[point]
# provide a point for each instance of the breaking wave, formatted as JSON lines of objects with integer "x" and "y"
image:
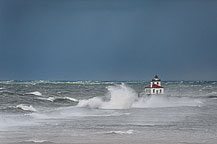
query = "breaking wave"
{"x": 124, "y": 97}
{"x": 212, "y": 95}
{"x": 26, "y": 107}
{"x": 119, "y": 97}
{"x": 37, "y": 93}
{"x": 54, "y": 99}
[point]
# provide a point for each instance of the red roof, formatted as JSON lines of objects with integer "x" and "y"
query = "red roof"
{"x": 155, "y": 76}
{"x": 154, "y": 86}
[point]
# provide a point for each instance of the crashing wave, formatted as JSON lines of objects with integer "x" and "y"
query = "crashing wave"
{"x": 26, "y": 107}
{"x": 124, "y": 97}
{"x": 120, "y": 97}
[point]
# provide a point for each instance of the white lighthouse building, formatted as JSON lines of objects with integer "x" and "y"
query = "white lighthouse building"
{"x": 154, "y": 87}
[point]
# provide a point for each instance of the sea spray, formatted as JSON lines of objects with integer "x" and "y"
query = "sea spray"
{"x": 156, "y": 101}
{"x": 124, "y": 97}
{"x": 119, "y": 97}
{"x": 94, "y": 102}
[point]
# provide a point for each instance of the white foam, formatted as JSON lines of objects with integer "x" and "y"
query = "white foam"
{"x": 47, "y": 99}
{"x": 55, "y": 98}
{"x": 37, "y": 93}
{"x": 69, "y": 98}
{"x": 124, "y": 97}
{"x": 212, "y": 94}
{"x": 50, "y": 99}
{"x": 95, "y": 102}
{"x": 68, "y": 112}
{"x": 36, "y": 141}
{"x": 158, "y": 101}
{"x": 207, "y": 87}
{"x": 120, "y": 97}
{"x": 26, "y": 107}
{"x": 120, "y": 132}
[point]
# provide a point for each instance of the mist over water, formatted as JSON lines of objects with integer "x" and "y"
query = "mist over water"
{"x": 118, "y": 97}
{"x": 107, "y": 112}
{"x": 123, "y": 97}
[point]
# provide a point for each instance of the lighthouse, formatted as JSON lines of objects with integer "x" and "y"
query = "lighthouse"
{"x": 154, "y": 87}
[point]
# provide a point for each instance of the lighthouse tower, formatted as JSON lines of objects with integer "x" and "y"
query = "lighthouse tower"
{"x": 154, "y": 87}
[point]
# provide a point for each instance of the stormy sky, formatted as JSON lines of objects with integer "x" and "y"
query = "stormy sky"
{"x": 108, "y": 39}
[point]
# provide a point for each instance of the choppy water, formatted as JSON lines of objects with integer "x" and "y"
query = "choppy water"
{"x": 108, "y": 113}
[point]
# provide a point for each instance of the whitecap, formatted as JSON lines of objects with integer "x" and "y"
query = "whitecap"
{"x": 69, "y": 98}
{"x": 207, "y": 87}
{"x": 26, "y": 107}
{"x": 212, "y": 94}
{"x": 120, "y": 97}
{"x": 120, "y": 132}
{"x": 124, "y": 97}
{"x": 52, "y": 99}
{"x": 37, "y": 93}
{"x": 36, "y": 141}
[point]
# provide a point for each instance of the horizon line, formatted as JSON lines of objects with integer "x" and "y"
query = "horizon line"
{"x": 104, "y": 80}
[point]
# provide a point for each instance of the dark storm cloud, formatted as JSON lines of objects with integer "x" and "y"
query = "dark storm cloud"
{"x": 108, "y": 39}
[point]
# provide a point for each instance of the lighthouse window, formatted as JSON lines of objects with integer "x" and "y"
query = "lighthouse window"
{"x": 160, "y": 90}
{"x": 157, "y": 83}
{"x": 153, "y": 90}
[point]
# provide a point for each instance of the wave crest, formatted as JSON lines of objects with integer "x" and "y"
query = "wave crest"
{"x": 53, "y": 99}
{"x": 124, "y": 97}
{"x": 120, "y": 97}
{"x": 37, "y": 93}
{"x": 26, "y": 107}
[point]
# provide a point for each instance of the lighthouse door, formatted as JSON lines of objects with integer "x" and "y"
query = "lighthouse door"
{"x": 157, "y": 91}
